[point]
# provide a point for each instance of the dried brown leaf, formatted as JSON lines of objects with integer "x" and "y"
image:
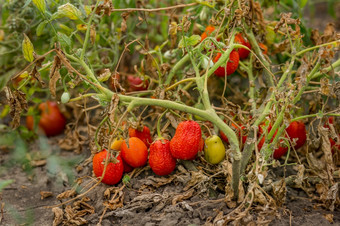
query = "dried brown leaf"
{"x": 54, "y": 75}
{"x": 66, "y": 194}
{"x": 58, "y": 216}
{"x": 45, "y": 194}
{"x": 181, "y": 197}
{"x": 279, "y": 191}
{"x": 18, "y": 103}
{"x": 113, "y": 106}
{"x": 196, "y": 178}
{"x": 329, "y": 217}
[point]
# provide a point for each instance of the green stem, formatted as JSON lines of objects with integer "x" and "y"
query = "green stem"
{"x": 313, "y": 115}
{"x": 315, "y": 47}
{"x": 268, "y": 78}
{"x": 87, "y": 36}
{"x": 336, "y": 64}
{"x": 159, "y": 133}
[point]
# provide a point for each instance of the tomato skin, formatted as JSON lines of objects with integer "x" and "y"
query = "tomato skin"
{"x": 214, "y": 150}
{"x": 264, "y": 48}
{"x": 135, "y": 153}
{"x": 186, "y": 142}
{"x": 136, "y": 83}
{"x": 208, "y": 30}
{"x": 114, "y": 171}
{"x": 279, "y": 152}
{"x": 225, "y": 138}
{"x": 243, "y": 53}
{"x": 231, "y": 65}
{"x": 297, "y": 130}
{"x": 161, "y": 161}
{"x": 144, "y": 135}
{"x": 52, "y": 121}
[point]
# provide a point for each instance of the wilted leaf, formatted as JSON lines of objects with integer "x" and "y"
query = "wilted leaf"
{"x": 93, "y": 34}
{"x": 27, "y": 49}
{"x": 68, "y": 10}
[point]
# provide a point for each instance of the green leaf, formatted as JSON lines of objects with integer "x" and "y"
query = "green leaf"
{"x": 27, "y": 49}
{"x": 64, "y": 39}
{"x": 41, "y": 27}
{"x": 189, "y": 41}
{"x": 41, "y": 5}
{"x": 5, "y": 183}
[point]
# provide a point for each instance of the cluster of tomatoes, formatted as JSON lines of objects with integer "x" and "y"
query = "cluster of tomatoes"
{"x": 235, "y": 55}
{"x": 162, "y": 153}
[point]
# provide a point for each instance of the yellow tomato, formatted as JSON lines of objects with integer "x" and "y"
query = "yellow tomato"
{"x": 214, "y": 150}
{"x": 117, "y": 144}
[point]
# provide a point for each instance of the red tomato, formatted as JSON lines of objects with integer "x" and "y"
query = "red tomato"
{"x": 52, "y": 121}
{"x": 297, "y": 131}
{"x": 136, "y": 83}
{"x": 208, "y": 30}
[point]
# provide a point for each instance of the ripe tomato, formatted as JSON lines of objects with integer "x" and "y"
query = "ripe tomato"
{"x": 160, "y": 160}
{"x": 136, "y": 83}
{"x": 135, "y": 153}
{"x": 230, "y": 66}
{"x": 214, "y": 151}
{"x": 297, "y": 131}
{"x": 144, "y": 135}
{"x": 52, "y": 121}
{"x": 243, "y": 53}
{"x": 264, "y": 48}
{"x": 225, "y": 138}
{"x": 208, "y": 30}
{"x": 117, "y": 144}
{"x": 114, "y": 168}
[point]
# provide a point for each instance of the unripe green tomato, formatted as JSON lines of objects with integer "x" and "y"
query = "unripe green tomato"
{"x": 214, "y": 150}
{"x": 65, "y": 97}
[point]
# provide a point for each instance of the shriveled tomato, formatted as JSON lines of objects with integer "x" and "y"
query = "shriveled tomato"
{"x": 52, "y": 121}
{"x": 214, "y": 150}
{"x": 136, "y": 83}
